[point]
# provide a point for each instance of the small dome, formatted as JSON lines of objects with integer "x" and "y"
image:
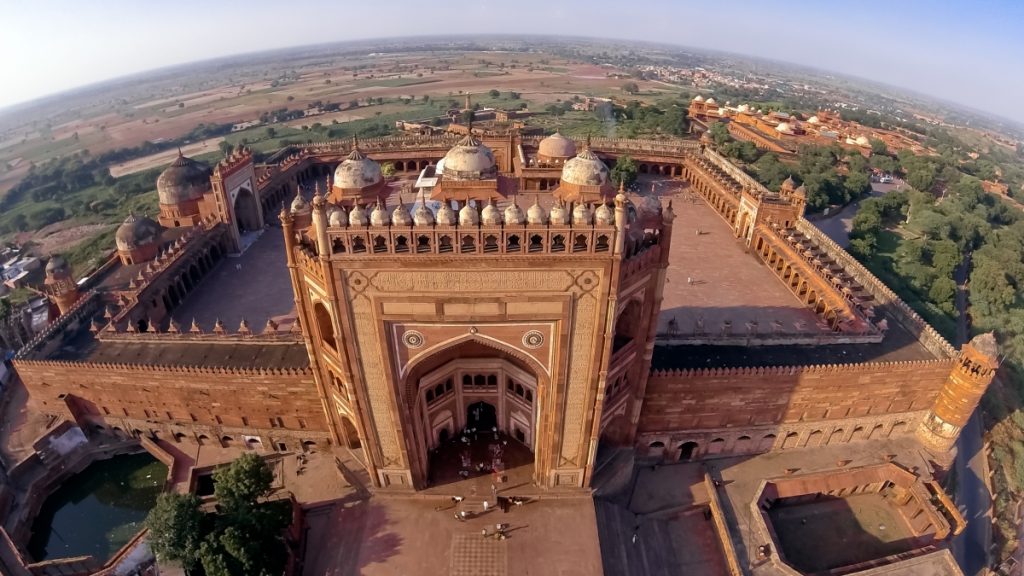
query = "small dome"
{"x": 813, "y": 120}
{"x": 57, "y": 266}
{"x": 379, "y": 215}
{"x": 445, "y": 215}
{"x": 185, "y": 179}
{"x": 744, "y": 108}
{"x": 801, "y": 191}
{"x": 789, "y": 182}
{"x": 469, "y": 160}
{"x": 863, "y": 141}
{"x": 423, "y": 216}
{"x": 604, "y": 215}
{"x": 581, "y": 215}
{"x": 490, "y": 215}
{"x": 586, "y": 169}
{"x": 558, "y": 216}
{"x": 135, "y": 232}
{"x": 400, "y": 216}
{"x": 468, "y": 216}
{"x": 357, "y": 217}
{"x": 783, "y": 127}
{"x": 557, "y": 146}
{"x": 357, "y": 171}
{"x": 709, "y": 101}
{"x": 698, "y": 98}
{"x": 299, "y": 204}
{"x": 535, "y": 214}
{"x": 336, "y": 216}
{"x": 514, "y": 215}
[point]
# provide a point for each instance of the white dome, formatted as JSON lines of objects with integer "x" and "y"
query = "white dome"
{"x": 581, "y": 215}
{"x": 336, "y": 216}
{"x": 299, "y": 204}
{"x": 357, "y": 217}
{"x": 723, "y": 112}
{"x": 559, "y": 216}
{"x": 468, "y": 216}
{"x": 698, "y": 98}
{"x": 586, "y": 169}
{"x": 535, "y": 214}
{"x": 710, "y": 101}
{"x": 400, "y": 216}
{"x": 813, "y": 120}
{"x": 514, "y": 214}
{"x": 357, "y": 171}
{"x": 379, "y": 215}
{"x": 604, "y": 215}
{"x": 423, "y": 216}
{"x": 445, "y": 215}
{"x": 490, "y": 215}
{"x": 744, "y": 108}
{"x": 469, "y": 160}
{"x": 783, "y": 127}
{"x": 863, "y": 141}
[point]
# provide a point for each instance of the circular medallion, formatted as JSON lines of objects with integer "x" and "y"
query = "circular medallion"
{"x": 533, "y": 339}
{"x": 412, "y": 339}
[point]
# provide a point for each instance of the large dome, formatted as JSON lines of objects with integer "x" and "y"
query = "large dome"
{"x": 185, "y": 179}
{"x": 135, "y": 232}
{"x": 557, "y": 146}
{"x": 357, "y": 171}
{"x": 469, "y": 160}
{"x": 586, "y": 169}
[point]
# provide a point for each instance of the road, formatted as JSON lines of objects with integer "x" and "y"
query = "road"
{"x": 971, "y": 547}
{"x": 837, "y": 226}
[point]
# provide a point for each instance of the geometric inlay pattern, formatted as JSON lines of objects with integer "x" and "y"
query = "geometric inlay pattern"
{"x": 474, "y": 555}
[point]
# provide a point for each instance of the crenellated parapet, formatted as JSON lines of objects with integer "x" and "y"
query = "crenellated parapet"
{"x": 164, "y": 368}
{"x": 883, "y": 295}
{"x": 81, "y": 310}
{"x": 236, "y": 160}
{"x": 804, "y": 370}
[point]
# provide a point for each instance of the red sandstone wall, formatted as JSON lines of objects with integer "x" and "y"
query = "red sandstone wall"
{"x": 202, "y": 397}
{"x": 706, "y": 399}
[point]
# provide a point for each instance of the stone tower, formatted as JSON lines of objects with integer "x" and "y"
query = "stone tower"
{"x": 60, "y": 285}
{"x": 969, "y": 379}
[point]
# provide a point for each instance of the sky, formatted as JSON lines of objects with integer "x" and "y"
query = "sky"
{"x": 970, "y": 52}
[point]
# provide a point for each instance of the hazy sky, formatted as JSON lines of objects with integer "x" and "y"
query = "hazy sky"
{"x": 966, "y": 51}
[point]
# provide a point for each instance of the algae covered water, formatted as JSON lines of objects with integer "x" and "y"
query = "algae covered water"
{"x": 98, "y": 510}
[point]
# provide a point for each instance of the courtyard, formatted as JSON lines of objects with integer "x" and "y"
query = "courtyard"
{"x": 834, "y": 532}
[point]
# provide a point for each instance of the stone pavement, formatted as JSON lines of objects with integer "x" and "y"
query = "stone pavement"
{"x": 20, "y": 424}
{"x": 399, "y": 535}
{"x": 727, "y": 283}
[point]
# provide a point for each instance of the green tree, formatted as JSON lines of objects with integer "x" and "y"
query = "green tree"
{"x": 631, "y": 88}
{"x": 387, "y": 169}
{"x": 242, "y": 483}
{"x": 271, "y": 132}
{"x": 719, "y": 133}
{"x": 494, "y": 93}
{"x": 174, "y": 525}
{"x": 878, "y": 147}
{"x": 624, "y": 171}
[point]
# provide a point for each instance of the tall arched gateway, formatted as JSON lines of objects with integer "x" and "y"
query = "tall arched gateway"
{"x": 468, "y": 396}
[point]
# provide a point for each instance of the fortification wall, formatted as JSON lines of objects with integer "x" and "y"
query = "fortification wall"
{"x": 188, "y": 396}
{"x": 762, "y": 398}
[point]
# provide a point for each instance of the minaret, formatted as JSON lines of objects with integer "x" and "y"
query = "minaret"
{"x": 60, "y": 285}
{"x": 974, "y": 370}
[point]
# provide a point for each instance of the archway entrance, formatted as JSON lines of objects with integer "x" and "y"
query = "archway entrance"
{"x": 475, "y": 413}
{"x": 247, "y": 215}
{"x": 686, "y": 451}
{"x": 481, "y": 416}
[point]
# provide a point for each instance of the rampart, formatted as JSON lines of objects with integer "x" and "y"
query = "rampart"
{"x": 767, "y": 397}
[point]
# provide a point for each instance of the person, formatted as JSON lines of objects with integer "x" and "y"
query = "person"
{"x": 486, "y": 505}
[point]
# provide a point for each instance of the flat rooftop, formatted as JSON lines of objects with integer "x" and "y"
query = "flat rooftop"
{"x": 255, "y": 286}
{"x": 231, "y": 354}
{"x": 120, "y": 275}
{"x": 712, "y": 277}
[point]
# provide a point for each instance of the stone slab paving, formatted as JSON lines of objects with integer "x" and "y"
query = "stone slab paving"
{"x": 727, "y": 282}
{"x": 475, "y": 555}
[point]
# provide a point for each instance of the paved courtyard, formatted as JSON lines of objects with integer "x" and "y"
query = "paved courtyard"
{"x": 397, "y": 535}
{"x": 839, "y": 532}
{"x": 254, "y": 286}
{"x": 710, "y": 276}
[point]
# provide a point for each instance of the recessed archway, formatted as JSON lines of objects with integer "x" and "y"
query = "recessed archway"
{"x": 247, "y": 216}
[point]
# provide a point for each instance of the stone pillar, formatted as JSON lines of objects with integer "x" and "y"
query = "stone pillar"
{"x": 972, "y": 373}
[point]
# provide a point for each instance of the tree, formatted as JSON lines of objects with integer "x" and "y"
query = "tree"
{"x": 387, "y": 169}
{"x": 175, "y": 524}
{"x": 630, "y": 88}
{"x": 719, "y": 133}
{"x": 271, "y": 132}
{"x": 624, "y": 171}
{"x": 243, "y": 482}
{"x": 494, "y": 93}
{"x": 878, "y": 147}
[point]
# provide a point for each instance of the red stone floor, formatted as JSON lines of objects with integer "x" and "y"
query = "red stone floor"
{"x": 711, "y": 276}
{"x": 487, "y": 449}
